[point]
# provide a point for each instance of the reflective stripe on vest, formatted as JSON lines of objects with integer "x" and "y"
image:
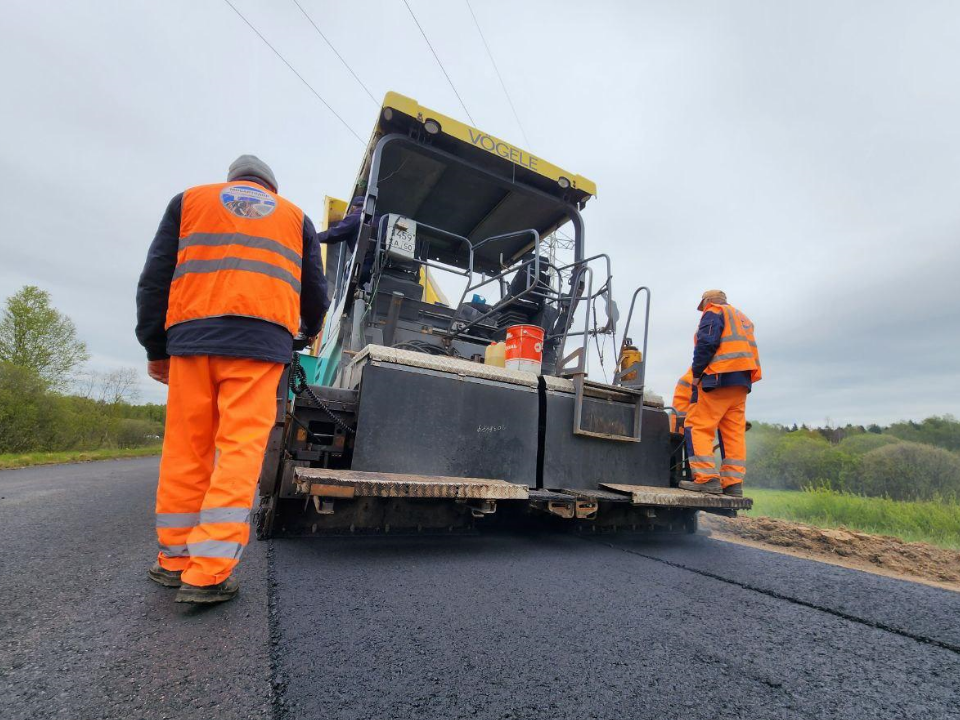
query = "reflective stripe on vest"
{"x": 240, "y": 254}
{"x": 738, "y": 347}
{"x": 233, "y": 263}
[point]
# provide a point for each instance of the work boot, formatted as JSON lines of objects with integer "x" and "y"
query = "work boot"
{"x": 711, "y": 486}
{"x": 208, "y": 594}
{"x": 162, "y": 576}
{"x": 735, "y": 490}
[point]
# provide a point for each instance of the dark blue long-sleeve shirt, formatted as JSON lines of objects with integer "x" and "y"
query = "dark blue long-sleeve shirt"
{"x": 347, "y": 230}
{"x": 229, "y": 336}
{"x": 709, "y": 334}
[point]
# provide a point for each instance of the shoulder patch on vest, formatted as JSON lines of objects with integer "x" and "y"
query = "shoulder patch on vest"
{"x": 247, "y": 202}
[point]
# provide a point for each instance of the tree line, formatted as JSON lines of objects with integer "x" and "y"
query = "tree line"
{"x": 903, "y": 461}
{"x": 50, "y": 400}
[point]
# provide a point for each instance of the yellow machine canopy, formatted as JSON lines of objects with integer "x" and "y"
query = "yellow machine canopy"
{"x": 449, "y": 175}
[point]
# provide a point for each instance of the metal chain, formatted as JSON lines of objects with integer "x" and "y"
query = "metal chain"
{"x": 298, "y": 385}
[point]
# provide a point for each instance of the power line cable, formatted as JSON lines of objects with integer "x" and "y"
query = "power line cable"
{"x": 499, "y": 76}
{"x": 294, "y": 71}
{"x": 437, "y": 57}
{"x": 330, "y": 45}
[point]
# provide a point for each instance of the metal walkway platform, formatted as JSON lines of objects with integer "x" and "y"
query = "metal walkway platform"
{"x": 353, "y": 483}
{"x": 675, "y": 497}
{"x": 328, "y": 483}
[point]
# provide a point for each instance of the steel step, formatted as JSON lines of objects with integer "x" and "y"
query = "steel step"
{"x": 675, "y": 497}
{"x": 598, "y": 495}
{"x": 552, "y": 495}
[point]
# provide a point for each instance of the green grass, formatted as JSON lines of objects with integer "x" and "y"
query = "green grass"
{"x": 937, "y": 523}
{"x": 71, "y": 456}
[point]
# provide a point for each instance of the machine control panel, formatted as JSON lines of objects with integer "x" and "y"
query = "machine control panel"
{"x": 401, "y": 239}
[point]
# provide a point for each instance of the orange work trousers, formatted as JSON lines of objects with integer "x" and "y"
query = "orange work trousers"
{"x": 719, "y": 412}
{"x": 204, "y": 500}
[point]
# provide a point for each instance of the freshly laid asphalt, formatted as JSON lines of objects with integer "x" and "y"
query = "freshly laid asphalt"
{"x": 490, "y": 626}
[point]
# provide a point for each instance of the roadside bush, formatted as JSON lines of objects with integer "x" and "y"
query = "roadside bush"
{"x": 796, "y": 461}
{"x": 82, "y": 424}
{"x": 862, "y": 444}
{"x": 137, "y": 433}
{"x": 908, "y": 471}
{"x": 762, "y": 439}
{"x": 148, "y": 411}
{"x": 34, "y": 419}
{"x": 942, "y": 431}
{"x": 23, "y": 408}
{"x": 881, "y": 462}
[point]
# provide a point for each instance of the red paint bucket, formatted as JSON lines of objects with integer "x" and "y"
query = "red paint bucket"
{"x": 524, "y": 348}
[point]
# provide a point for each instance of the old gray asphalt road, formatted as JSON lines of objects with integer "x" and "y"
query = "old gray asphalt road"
{"x": 469, "y": 627}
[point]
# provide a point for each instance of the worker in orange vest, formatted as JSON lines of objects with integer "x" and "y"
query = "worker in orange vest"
{"x": 232, "y": 270}
{"x": 683, "y": 397}
{"x": 725, "y": 366}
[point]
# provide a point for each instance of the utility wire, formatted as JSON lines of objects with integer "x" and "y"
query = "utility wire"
{"x": 294, "y": 71}
{"x": 439, "y": 63}
{"x": 330, "y": 45}
{"x": 499, "y": 76}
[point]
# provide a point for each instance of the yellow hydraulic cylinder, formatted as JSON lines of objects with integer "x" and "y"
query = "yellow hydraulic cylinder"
{"x": 629, "y": 356}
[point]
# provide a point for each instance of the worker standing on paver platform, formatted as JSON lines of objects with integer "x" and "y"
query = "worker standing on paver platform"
{"x": 231, "y": 272}
{"x": 725, "y": 366}
{"x": 347, "y": 230}
{"x": 683, "y": 397}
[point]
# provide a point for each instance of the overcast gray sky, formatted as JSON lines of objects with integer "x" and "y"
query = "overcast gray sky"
{"x": 803, "y": 156}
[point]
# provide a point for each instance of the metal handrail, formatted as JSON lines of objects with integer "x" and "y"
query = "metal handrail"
{"x": 581, "y": 352}
{"x": 532, "y": 282}
{"x": 380, "y": 251}
{"x": 639, "y": 367}
{"x": 579, "y": 266}
{"x": 579, "y": 373}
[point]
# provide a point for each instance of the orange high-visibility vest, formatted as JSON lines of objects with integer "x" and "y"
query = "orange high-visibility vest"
{"x": 738, "y": 347}
{"x": 682, "y": 395}
{"x": 240, "y": 253}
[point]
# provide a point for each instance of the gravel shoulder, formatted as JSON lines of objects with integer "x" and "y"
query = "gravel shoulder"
{"x": 880, "y": 554}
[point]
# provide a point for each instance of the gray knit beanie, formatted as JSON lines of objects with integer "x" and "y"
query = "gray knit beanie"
{"x": 252, "y": 166}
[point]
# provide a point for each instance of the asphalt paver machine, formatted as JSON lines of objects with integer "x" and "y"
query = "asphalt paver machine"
{"x": 394, "y": 422}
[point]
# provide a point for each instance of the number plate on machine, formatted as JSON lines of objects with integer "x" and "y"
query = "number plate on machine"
{"x": 401, "y": 240}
